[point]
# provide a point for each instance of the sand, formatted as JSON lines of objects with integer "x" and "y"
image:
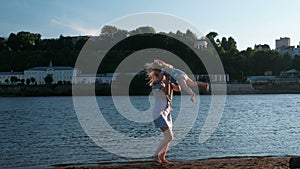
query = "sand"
{"x": 265, "y": 162}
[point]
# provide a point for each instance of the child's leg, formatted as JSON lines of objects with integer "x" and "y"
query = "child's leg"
{"x": 182, "y": 82}
{"x": 190, "y": 82}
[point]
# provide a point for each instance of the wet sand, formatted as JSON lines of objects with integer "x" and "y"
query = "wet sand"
{"x": 265, "y": 162}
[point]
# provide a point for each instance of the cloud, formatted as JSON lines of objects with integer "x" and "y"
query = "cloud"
{"x": 74, "y": 26}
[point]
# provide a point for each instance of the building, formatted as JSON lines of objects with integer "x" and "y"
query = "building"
{"x": 200, "y": 43}
{"x": 282, "y": 42}
{"x": 217, "y": 78}
{"x": 286, "y": 77}
{"x": 58, "y": 73}
{"x": 6, "y": 77}
{"x": 290, "y": 73}
{"x": 284, "y": 47}
{"x": 92, "y": 78}
{"x": 260, "y": 47}
{"x": 291, "y": 50}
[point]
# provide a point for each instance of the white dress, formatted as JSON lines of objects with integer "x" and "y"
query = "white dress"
{"x": 162, "y": 108}
{"x": 175, "y": 73}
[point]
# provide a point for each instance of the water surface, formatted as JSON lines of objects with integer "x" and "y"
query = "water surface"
{"x": 38, "y": 132}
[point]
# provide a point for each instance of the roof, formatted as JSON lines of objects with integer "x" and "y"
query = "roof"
{"x": 44, "y": 68}
{"x": 265, "y": 46}
{"x": 293, "y": 71}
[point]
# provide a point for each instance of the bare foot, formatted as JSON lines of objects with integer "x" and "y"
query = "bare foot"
{"x": 193, "y": 97}
{"x": 157, "y": 159}
{"x": 168, "y": 162}
{"x": 207, "y": 87}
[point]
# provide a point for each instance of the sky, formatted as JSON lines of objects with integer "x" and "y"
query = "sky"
{"x": 248, "y": 22}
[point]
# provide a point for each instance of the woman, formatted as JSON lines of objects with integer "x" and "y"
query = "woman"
{"x": 162, "y": 92}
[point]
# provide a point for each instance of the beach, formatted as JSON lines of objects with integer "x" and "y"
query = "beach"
{"x": 253, "y": 162}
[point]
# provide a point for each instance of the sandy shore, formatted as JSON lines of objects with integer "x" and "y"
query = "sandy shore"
{"x": 266, "y": 162}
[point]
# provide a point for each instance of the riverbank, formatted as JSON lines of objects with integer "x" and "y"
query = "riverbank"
{"x": 261, "y": 162}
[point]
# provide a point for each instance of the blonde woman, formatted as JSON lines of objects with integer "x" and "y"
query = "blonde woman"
{"x": 162, "y": 92}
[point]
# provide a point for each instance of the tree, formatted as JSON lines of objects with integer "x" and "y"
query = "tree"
{"x": 48, "y": 79}
{"x": 32, "y": 79}
{"x": 22, "y": 81}
{"x": 229, "y": 45}
{"x": 67, "y": 83}
{"x": 6, "y": 81}
{"x": 212, "y": 35}
{"x": 143, "y": 29}
{"x": 215, "y": 43}
{"x": 13, "y": 79}
{"x": 112, "y": 33}
{"x": 28, "y": 82}
{"x": 2, "y": 43}
{"x": 190, "y": 37}
{"x": 179, "y": 34}
{"x": 23, "y": 40}
{"x": 296, "y": 63}
{"x": 60, "y": 82}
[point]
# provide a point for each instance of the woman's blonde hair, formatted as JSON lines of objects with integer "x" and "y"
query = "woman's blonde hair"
{"x": 153, "y": 69}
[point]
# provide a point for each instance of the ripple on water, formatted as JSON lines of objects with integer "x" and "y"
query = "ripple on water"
{"x": 38, "y": 132}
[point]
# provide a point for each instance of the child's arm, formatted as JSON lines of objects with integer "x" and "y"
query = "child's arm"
{"x": 174, "y": 85}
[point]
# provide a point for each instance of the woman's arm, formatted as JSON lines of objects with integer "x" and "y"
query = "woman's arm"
{"x": 175, "y": 87}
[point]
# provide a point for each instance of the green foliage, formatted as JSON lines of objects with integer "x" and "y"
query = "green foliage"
{"x": 296, "y": 63}
{"x": 14, "y": 79}
{"x": 27, "y": 82}
{"x": 48, "y": 79}
{"x": 25, "y": 50}
{"x": 249, "y": 62}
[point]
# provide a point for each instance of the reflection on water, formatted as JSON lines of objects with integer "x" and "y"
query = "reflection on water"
{"x": 38, "y": 132}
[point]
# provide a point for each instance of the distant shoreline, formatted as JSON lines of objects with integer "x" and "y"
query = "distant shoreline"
{"x": 105, "y": 90}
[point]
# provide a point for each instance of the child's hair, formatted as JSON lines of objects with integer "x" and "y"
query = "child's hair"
{"x": 153, "y": 69}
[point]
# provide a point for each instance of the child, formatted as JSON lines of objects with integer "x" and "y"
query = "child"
{"x": 182, "y": 78}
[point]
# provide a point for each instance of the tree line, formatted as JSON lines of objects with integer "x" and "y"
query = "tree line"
{"x": 25, "y": 50}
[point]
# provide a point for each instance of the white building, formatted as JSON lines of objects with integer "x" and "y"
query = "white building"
{"x": 282, "y": 42}
{"x": 218, "y": 78}
{"x": 58, "y": 73}
{"x": 92, "y": 78}
{"x": 200, "y": 43}
{"x": 296, "y": 51}
{"x": 5, "y": 77}
{"x": 291, "y": 50}
{"x": 260, "y": 47}
{"x": 290, "y": 76}
{"x": 283, "y": 46}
